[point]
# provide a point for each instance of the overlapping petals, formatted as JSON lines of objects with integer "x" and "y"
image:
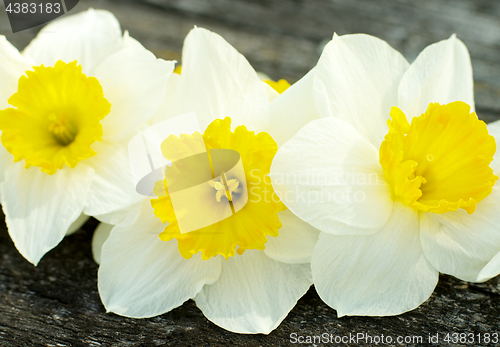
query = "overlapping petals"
{"x": 384, "y": 260}
{"x": 133, "y": 81}
{"x": 329, "y": 175}
{"x": 380, "y": 274}
{"x": 343, "y": 142}
{"x": 250, "y": 292}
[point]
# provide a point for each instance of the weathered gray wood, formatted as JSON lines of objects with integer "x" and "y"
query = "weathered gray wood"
{"x": 57, "y": 303}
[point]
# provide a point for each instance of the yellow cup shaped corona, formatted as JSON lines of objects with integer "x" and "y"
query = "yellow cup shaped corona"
{"x": 68, "y": 105}
{"x": 214, "y": 231}
{"x": 399, "y": 175}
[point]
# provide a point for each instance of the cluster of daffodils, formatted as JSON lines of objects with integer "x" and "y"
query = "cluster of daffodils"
{"x": 368, "y": 177}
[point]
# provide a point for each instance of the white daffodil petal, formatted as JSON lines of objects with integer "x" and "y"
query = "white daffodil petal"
{"x": 6, "y": 159}
{"x": 441, "y": 73}
{"x": 134, "y": 82}
{"x": 141, "y": 276}
{"x": 87, "y": 37}
{"x": 126, "y": 216}
{"x": 460, "y": 244}
{"x": 494, "y": 130}
{"x": 77, "y": 224}
{"x": 374, "y": 275}
{"x": 119, "y": 216}
{"x": 217, "y": 81}
{"x": 112, "y": 188}
{"x": 356, "y": 80}
{"x": 100, "y": 236}
{"x": 166, "y": 110}
{"x": 491, "y": 269}
{"x": 329, "y": 173}
{"x": 40, "y": 208}
{"x": 254, "y": 293}
{"x": 295, "y": 242}
{"x": 292, "y": 110}
{"x": 12, "y": 68}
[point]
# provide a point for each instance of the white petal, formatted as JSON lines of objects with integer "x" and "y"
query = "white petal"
{"x": 12, "y": 68}
{"x": 112, "y": 188}
{"x": 134, "y": 82}
{"x": 142, "y": 276}
{"x": 39, "y": 208}
{"x": 87, "y": 37}
{"x": 296, "y": 240}
{"x": 374, "y": 275}
{"x": 491, "y": 269}
{"x": 460, "y": 244}
{"x": 494, "y": 130}
{"x": 254, "y": 293}
{"x": 328, "y": 173}
{"x": 292, "y": 110}
{"x": 356, "y": 80}
{"x": 100, "y": 236}
{"x": 120, "y": 216}
{"x": 77, "y": 224}
{"x": 217, "y": 81}
{"x": 441, "y": 73}
{"x": 6, "y": 159}
{"x": 125, "y": 216}
{"x": 166, "y": 109}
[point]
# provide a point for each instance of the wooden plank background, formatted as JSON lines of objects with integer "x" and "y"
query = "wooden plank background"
{"x": 57, "y": 303}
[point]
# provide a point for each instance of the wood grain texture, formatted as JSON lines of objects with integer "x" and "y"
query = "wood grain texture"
{"x": 57, "y": 303}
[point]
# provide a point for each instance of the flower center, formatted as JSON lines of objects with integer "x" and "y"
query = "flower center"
{"x": 56, "y": 117}
{"x": 216, "y": 196}
{"x": 225, "y": 188}
{"x": 63, "y": 132}
{"x": 441, "y": 162}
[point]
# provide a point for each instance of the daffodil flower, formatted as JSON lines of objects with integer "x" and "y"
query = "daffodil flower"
{"x": 245, "y": 272}
{"x": 397, "y": 174}
{"x": 69, "y": 104}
